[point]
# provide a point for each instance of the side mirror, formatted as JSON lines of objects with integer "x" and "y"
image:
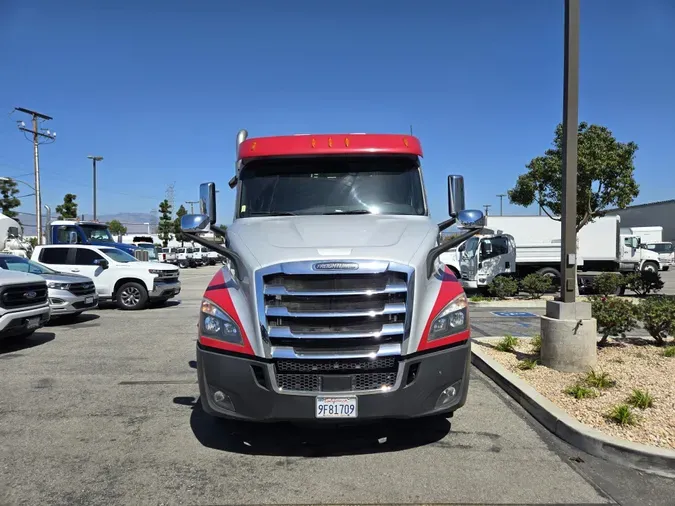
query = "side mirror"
{"x": 455, "y": 195}
{"x": 471, "y": 218}
{"x": 195, "y": 223}
{"x": 207, "y": 201}
{"x": 72, "y": 237}
{"x": 102, "y": 263}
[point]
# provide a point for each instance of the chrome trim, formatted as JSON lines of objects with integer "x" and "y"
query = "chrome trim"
{"x": 282, "y": 311}
{"x": 281, "y": 290}
{"x": 305, "y": 267}
{"x": 388, "y": 329}
{"x": 384, "y": 350}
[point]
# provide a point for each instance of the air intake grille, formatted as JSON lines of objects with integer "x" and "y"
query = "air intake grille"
{"x": 18, "y": 296}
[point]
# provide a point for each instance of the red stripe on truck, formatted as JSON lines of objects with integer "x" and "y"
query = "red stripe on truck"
{"x": 450, "y": 288}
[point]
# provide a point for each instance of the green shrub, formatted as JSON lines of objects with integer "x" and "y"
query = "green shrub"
{"x": 579, "y": 391}
{"x": 615, "y": 316}
{"x": 527, "y": 364}
{"x": 640, "y": 399}
{"x": 599, "y": 380}
{"x": 608, "y": 283}
{"x": 622, "y": 414}
{"x": 536, "y": 343}
{"x": 658, "y": 317}
{"x": 669, "y": 352}
{"x": 644, "y": 282}
{"x": 507, "y": 344}
{"x": 503, "y": 287}
{"x": 536, "y": 285}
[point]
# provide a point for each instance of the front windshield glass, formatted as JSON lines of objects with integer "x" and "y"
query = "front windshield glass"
{"x": 661, "y": 248}
{"x": 331, "y": 185}
{"x": 471, "y": 247}
{"x": 21, "y": 264}
{"x": 97, "y": 233}
{"x": 118, "y": 255}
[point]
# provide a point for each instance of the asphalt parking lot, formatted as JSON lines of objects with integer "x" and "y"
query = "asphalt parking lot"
{"x": 105, "y": 411}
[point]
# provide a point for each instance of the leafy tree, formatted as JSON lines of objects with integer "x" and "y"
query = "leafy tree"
{"x": 165, "y": 226}
{"x": 69, "y": 207}
{"x": 116, "y": 227}
{"x": 8, "y": 199}
{"x": 604, "y": 176}
{"x": 176, "y": 224}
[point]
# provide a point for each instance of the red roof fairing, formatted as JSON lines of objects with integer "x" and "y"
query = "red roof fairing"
{"x": 330, "y": 144}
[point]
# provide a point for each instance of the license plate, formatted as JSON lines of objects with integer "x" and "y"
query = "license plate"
{"x": 33, "y": 323}
{"x": 89, "y": 300}
{"x": 336, "y": 407}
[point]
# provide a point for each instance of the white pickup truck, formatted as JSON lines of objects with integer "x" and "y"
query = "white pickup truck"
{"x": 117, "y": 275}
{"x": 24, "y": 304}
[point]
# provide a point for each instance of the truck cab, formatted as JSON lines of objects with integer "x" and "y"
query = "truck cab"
{"x": 333, "y": 304}
{"x": 85, "y": 232}
{"x": 484, "y": 257}
{"x": 665, "y": 251}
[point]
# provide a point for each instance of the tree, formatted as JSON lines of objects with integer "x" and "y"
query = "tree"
{"x": 604, "y": 178}
{"x": 165, "y": 226}
{"x": 116, "y": 227}
{"x": 9, "y": 200}
{"x": 69, "y": 207}
{"x": 176, "y": 224}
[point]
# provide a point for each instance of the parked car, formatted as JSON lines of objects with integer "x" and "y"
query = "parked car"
{"x": 118, "y": 276}
{"x": 24, "y": 304}
{"x": 69, "y": 294}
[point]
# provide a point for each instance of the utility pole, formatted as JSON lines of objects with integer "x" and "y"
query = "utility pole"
{"x": 95, "y": 159}
{"x": 487, "y": 206}
{"x": 192, "y": 203}
{"x": 569, "y": 152}
{"x": 37, "y": 135}
{"x": 501, "y": 203}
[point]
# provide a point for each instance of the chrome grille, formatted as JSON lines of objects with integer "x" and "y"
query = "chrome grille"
{"x": 84, "y": 288}
{"x": 335, "y": 310}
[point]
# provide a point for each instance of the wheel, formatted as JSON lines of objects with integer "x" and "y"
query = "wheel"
{"x": 650, "y": 267}
{"x": 132, "y": 296}
{"x": 183, "y": 264}
{"x": 552, "y": 273}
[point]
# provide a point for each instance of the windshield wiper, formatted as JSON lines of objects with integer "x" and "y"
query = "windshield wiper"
{"x": 355, "y": 211}
{"x": 277, "y": 213}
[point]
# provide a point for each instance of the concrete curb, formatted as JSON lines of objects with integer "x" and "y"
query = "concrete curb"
{"x": 659, "y": 461}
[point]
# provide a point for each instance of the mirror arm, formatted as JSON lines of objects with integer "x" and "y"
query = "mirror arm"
{"x": 447, "y": 223}
{"x": 227, "y": 253}
{"x": 451, "y": 243}
{"x": 219, "y": 231}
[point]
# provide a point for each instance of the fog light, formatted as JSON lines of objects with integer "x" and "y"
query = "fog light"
{"x": 448, "y": 396}
{"x": 223, "y": 400}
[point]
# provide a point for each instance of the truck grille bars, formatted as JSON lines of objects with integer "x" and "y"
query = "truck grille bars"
{"x": 333, "y": 315}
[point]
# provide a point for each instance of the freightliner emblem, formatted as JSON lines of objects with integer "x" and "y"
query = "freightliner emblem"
{"x": 336, "y": 266}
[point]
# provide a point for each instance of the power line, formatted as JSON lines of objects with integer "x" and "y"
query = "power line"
{"x": 169, "y": 194}
{"x": 487, "y": 206}
{"x": 192, "y": 203}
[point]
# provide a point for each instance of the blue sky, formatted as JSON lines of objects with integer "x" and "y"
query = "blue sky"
{"x": 160, "y": 88}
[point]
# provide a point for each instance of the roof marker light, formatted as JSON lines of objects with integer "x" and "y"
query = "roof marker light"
{"x": 253, "y": 146}
{"x": 313, "y": 143}
{"x": 347, "y": 141}
{"x": 330, "y": 142}
{"x": 405, "y": 141}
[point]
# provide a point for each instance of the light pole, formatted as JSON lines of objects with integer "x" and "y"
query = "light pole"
{"x": 94, "y": 159}
{"x": 501, "y": 203}
{"x": 148, "y": 224}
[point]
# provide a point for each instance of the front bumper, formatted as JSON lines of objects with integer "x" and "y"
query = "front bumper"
{"x": 21, "y": 321}
{"x": 469, "y": 284}
{"x": 249, "y": 383}
{"x": 63, "y": 302}
{"x": 164, "y": 289}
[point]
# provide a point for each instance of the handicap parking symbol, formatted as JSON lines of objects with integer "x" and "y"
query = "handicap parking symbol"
{"x": 514, "y": 314}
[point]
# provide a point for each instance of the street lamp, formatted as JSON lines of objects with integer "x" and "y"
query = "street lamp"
{"x": 95, "y": 159}
{"x": 148, "y": 224}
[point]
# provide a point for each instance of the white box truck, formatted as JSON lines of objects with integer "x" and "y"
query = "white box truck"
{"x": 519, "y": 245}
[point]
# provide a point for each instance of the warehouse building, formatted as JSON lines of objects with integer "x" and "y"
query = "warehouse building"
{"x": 654, "y": 214}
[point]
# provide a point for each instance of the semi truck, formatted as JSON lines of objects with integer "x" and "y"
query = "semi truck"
{"x": 519, "y": 245}
{"x": 333, "y": 304}
{"x": 74, "y": 231}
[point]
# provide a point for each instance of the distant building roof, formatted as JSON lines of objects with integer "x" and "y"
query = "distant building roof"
{"x": 671, "y": 201}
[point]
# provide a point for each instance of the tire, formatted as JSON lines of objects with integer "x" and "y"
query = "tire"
{"x": 131, "y": 296}
{"x": 183, "y": 264}
{"x": 552, "y": 273}
{"x": 650, "y": 267}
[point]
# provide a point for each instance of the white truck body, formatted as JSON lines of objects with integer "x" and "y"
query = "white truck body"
{"x": 647, "y": 235}
{"x": 537, "y": 248}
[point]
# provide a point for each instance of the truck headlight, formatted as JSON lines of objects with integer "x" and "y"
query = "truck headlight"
{"x": 216, "y": 324}
{"x": 453, "y": 318}
{"x": 58, "y": 286}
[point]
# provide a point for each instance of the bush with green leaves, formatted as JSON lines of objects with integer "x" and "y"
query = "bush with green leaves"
{"x": 503, "y": 287}
{"x": 615, "y": 316}
{"x": 658, "y": 317}
{"x": 536, "y": 284}
{"x": 644, "y": 282}
{"x": 608, "y": 283}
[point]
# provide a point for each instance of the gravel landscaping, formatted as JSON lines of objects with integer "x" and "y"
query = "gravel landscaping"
{"x": 624, "y": 366}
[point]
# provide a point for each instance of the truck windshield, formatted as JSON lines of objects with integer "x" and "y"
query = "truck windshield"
{"x": 471, "y": 246}
{"x": 118, "y": 255}
{"x": 663, "y": 247}
{"x": 97, "y": 233}
{"x": 331, "y": 185}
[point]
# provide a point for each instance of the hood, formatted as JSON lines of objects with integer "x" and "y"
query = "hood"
{"x": 16, "y": 277}
{"x": 147, "y": 265}
{"x": 276, "y": 239}
{"x": 66, "y": 278}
